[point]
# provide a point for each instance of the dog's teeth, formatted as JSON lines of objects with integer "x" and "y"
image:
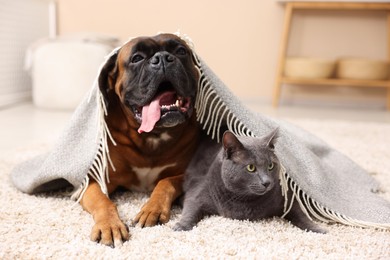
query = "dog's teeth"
{"x": 177, "y": 103}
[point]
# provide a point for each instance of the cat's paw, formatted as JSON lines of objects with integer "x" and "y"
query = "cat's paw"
{"x": 181, "y": 227}
{"x": 318, "y": 230}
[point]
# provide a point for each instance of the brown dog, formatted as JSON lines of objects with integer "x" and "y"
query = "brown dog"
{"x": 150, "y": 88}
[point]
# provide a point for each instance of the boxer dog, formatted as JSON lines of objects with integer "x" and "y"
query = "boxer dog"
{"x": 150, "y": 87}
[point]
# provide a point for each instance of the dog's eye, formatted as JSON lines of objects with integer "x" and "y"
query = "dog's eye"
{"x": 136, "y": 58}
{"x": 181, "y": 51}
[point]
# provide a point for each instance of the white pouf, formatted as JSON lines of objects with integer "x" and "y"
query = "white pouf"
{"x": 64, "y": 71}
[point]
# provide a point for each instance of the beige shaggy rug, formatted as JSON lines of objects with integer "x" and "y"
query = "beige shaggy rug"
{"x": 51, "y": 226}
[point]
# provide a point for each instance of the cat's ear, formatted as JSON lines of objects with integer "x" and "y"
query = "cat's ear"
{"x": 271, "y": 138}
{"x": 231, "y": 144}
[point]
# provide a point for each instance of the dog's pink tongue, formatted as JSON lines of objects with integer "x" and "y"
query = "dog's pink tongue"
{"x": 150, "y": 115}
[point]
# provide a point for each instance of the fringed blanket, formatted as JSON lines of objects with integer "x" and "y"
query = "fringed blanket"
{"x": 327, "y": 185}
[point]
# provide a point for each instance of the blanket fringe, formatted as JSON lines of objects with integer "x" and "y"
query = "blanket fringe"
{"x": 315, "y": 210}
{"x": 212, "y": 110}
{"x": 99, "y": 171}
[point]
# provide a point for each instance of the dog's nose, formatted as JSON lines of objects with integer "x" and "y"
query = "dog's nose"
{"x": 162, "y": 58}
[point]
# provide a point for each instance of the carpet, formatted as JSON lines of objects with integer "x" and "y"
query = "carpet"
{"x": 50, "y": 225}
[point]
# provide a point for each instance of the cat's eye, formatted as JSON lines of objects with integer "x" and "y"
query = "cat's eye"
{"x": 250, "y": 168}
{"x": 271, "y": 166}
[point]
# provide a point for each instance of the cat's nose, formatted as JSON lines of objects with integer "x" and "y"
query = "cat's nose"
{"x": 266, "y": 183}
{"x": 265, "y": 180}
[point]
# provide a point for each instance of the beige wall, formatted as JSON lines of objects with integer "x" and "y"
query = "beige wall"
{"x": 240, "y": 39}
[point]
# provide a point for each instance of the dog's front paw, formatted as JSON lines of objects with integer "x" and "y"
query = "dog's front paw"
{"x": 152, "y": 213}
{"x": 110, "y": 232}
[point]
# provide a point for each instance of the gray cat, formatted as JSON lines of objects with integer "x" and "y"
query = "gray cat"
{"x": 238, "y": 180}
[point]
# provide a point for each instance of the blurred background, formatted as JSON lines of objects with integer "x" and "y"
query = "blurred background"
{"x": 239, "y": 40}
{"x": 51, "y": 51}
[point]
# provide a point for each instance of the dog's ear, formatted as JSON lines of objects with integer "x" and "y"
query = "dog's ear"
{"x": 107, "y": 76}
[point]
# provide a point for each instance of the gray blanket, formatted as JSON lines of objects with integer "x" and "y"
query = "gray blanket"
{"x": 328, "y": 186}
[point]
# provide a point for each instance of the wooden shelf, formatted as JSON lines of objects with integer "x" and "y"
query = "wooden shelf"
{"x": 337, "y": 82}
{"x": 290, "y": 8}
{"x": 341, "y": 6}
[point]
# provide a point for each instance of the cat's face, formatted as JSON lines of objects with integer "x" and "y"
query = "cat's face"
{"x": 250, "y": 166}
